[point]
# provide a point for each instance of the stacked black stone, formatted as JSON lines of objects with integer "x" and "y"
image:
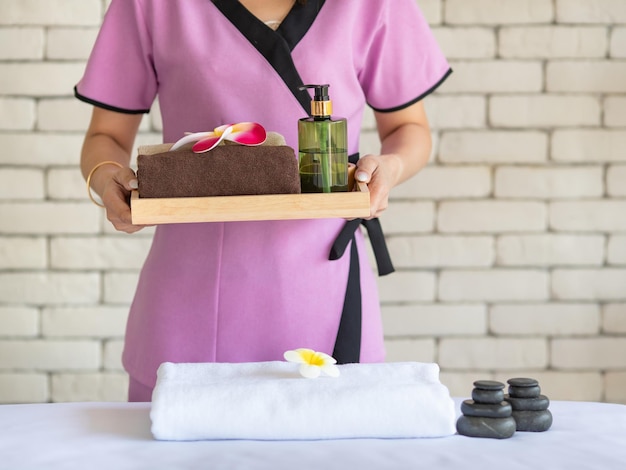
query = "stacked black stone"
{"x": 486, "y": 414}
{"x": 530, "y": 408}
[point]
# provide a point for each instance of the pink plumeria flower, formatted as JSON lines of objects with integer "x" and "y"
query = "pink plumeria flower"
{"x": 313, "y": 363}
{"x": 246, "y": 133}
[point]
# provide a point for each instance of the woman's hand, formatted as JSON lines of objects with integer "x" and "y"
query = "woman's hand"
{"x": 116, "y": 199}
{"x": 405, "y": 149}
{"x": 379, "y": 172}
{"x": 110, "y": 138}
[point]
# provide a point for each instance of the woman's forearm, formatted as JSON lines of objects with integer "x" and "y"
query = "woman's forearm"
{"x": 409, "y": 146}
{"x": 110, "y": 137}
{"x": 100, "y": 148}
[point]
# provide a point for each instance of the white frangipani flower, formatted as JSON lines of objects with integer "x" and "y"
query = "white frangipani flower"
{"x": 313, "y": 363}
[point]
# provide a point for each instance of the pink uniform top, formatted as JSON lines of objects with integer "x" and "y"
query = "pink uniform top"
{"x": 248, "y": 291}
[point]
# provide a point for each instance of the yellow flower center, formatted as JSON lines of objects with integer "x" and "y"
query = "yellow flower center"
{"x": 312, "y": 358}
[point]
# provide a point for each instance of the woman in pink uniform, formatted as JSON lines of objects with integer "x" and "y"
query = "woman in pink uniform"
{"x": 248, "y": 291}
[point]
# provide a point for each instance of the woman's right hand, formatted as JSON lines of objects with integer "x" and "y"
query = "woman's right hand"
{"x": 110, "y": 138}
{"x": 116, "y": 199}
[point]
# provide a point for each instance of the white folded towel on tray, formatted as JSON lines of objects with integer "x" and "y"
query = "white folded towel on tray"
{"x": 272, "y": 401}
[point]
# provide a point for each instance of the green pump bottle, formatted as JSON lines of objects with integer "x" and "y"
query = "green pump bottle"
{"x": 322, "y": 146}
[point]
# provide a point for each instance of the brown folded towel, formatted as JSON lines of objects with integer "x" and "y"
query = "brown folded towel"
{"x": 226, "y": 170}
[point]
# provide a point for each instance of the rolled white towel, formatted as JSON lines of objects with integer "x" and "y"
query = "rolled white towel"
{"x": 271, "y": 400}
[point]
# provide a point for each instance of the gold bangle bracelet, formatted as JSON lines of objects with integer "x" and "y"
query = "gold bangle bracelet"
{"x": 93, "y": 170}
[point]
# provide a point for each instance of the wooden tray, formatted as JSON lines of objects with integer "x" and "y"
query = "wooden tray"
{"x": 150, "y": 211}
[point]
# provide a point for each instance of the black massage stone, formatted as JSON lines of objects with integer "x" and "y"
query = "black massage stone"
{"x": 488, "y": 391}
{"x": 486, "y": 415}
{"x": 494, "y": 428}
{"x": 486, "y": 410}
{"x": 530, "y": 408}
{"x": 532, "y": 421}
{"x": 539, "y": 403}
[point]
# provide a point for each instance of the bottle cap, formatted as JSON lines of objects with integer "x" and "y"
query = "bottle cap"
{"x": 321, "y": 106}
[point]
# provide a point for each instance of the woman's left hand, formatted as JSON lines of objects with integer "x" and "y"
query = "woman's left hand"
{"x": 405, "y": 148}
{"x": 379, "y": 173}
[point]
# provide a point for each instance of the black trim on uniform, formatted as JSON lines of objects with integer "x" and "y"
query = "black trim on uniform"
{"x": 299, "y": 21}
{"x": 107, "y": 106}
{"x": 419, "y": 98}
{"x": 276, "y": 46}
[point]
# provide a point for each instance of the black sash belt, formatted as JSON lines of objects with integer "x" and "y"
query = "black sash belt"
{"x": 377, "y": 238}
{"x": 348, "y": 343}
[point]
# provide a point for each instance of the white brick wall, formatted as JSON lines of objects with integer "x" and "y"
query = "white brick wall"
{"x": 447, "y": 182}
{"x": 584, "y": 11}
{"x": 497, "y": 12}
{"x": 493, "y": 285}
{"x": 493, "y": 353}
{"x": 613, "y": 318}
{"x": 51, "y": 12}
{"x": 440, "y": 251}
{"x": 550, "y": 250}
{"x": 550, "y": 182}
{"x": 510, "y": 247}
{"x": 553, "y": 319}
{"x": 494, "y": 76}
{"x": 552, "y": 42}
{"x": 586, "y": 76}
{"x": 534, "y": 111}
{"x": 589, "y": 145}
{"x": 618, "y": 42}
{"x": 494, "y": 146}
{"x": 615, "y": 180}
{"x": 616, "y": 251}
